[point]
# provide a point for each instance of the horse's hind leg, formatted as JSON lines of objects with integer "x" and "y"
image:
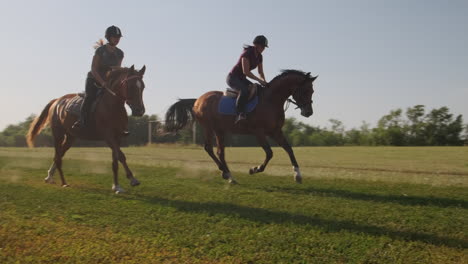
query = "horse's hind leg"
{"x": 66, "y": 144}
{"x": 269, "y": 154}
{"x": 208, "y": 135}
{"x": 50, "y": 173}
{"x": 209, "y": 147}
{"x": 220, "y": 142}
{"x": 62, "y": 144}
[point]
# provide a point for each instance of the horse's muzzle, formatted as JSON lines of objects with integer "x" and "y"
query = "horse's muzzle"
{"x": 307, "y": 111}
{"x": 138, "y": 111}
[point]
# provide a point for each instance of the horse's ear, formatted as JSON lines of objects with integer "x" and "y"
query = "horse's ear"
{"x": 313, "y": 78}
{"x": 142, "y": 71}
{"x": 132, "y": 69}
{"x": 308, "y": 74}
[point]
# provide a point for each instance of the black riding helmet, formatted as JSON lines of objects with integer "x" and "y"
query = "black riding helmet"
{"x": 261, "y": 40}
{"x": 113, "y": 31}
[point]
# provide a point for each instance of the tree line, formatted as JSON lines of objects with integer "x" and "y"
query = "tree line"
{"x": 413, "y": 127}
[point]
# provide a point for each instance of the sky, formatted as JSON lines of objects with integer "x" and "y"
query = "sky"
{"x": 372, "y": 56}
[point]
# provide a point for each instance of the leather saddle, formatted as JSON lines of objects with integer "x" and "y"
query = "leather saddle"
{"x": 74, "y": 105}
{"x": 233, "y": 93}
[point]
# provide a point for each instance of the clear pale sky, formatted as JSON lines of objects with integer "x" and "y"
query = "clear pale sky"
{"x": 371, "y": 56}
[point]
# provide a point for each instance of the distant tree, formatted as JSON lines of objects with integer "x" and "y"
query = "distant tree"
{"x": 442, "y": 129}
{"x": 138, "y": 128}
{"x": 437, "y": 128}
{"x": 316, "y": 139}
{"x": 337, "y": 126}
{"x": 15, "y": 135}
{"x": 416, "y": 126}
{"x": 353, "y": 137}
{"x": 390, "y": 129}
{"x": 331, "y": 138}
{"x": 289, "y": 127}
{"x": 465, "y": 137}
{"x": 5, "y": 141}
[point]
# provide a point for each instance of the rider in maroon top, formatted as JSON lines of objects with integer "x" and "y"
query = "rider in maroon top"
{"x": 250, "y": 59}
{"x": 254, "y": 59}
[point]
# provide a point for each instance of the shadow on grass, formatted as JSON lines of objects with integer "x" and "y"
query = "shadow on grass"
{"x": 265, "y": 216}
{"x": 398, "y": 199}
{"x": 260, "y": 215}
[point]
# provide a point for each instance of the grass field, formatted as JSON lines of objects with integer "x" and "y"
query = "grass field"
{"x": 356, "y": 205}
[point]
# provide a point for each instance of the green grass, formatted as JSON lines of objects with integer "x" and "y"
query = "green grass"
{"x": 356, "y": 205}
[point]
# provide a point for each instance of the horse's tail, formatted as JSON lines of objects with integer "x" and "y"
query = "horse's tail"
{"x": 179, "y": 115}
{"x": 38, "y": 124}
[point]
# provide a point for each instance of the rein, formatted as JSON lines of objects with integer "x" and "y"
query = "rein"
{"x": 297, "y": 105}
{"x": 295, "y": 102}
{"x": 125, "y": 81}
{"x": 122, "y": 83}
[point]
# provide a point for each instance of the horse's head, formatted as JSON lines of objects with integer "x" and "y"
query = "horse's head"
{"x": 297, "y": 84}
{"x": 302, "y": 94}
{"x": 130, "y": 89}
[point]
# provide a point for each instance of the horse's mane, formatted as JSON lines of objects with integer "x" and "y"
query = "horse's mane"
{"x": 289, "y": 71}
{"x": 116, "y": 72}
{"x": 114, "y": 75}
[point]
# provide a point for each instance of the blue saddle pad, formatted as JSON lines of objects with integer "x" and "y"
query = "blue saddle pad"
{"x": 227, "y": 105}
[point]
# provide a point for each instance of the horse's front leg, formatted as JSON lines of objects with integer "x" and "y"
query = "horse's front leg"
{"x": 281, "y": 140}
{"x": 115, "y": 169}
{"x": 114, "y": 145}
{"x": 261, "y": 138}
{"x": 123, "y": 160}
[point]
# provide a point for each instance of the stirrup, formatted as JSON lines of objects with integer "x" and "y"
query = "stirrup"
{"x": 77, "y": 124}
{"x": 240, "y": 117}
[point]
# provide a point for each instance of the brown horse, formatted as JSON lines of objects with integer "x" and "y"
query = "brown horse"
{"x": 108, "y": 121}
{"x": 266, "y": 120}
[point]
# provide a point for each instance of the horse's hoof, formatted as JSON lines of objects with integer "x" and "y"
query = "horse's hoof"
{"x": 255, "y": 170}
{"x": 233, "y": 182}
{"x": 298, "y": 179}
{"x": 226, "y": 175}
{"x": 117, "y": 189}
{"x": 65, "y": 185}
{"x": 134, "y": 182}
{"x": 297, "y": 175}
{"x": 49, "y": 180}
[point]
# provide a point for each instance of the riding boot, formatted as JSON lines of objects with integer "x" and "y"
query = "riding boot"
{"x": 241, "y": 103}
{"x": 83, "y": 121}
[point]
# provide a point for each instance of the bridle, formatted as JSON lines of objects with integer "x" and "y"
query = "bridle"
{"x": 295, "y": 102}
{"x": 299, "y": 105}
{"x": 123, "y": 83}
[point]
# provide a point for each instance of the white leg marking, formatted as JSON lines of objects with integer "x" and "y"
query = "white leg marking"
{"x": 50, "y": 174}
{"x": 297, "y": 175}
{"x": 134, "y": 182}
{"x": 117, "y": 189}
{"x": 230, "y": 179}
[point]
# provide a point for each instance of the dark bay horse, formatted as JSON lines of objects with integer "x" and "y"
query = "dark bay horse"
{"x": 266, "y": 120}
{"x": 107, "y": 123}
